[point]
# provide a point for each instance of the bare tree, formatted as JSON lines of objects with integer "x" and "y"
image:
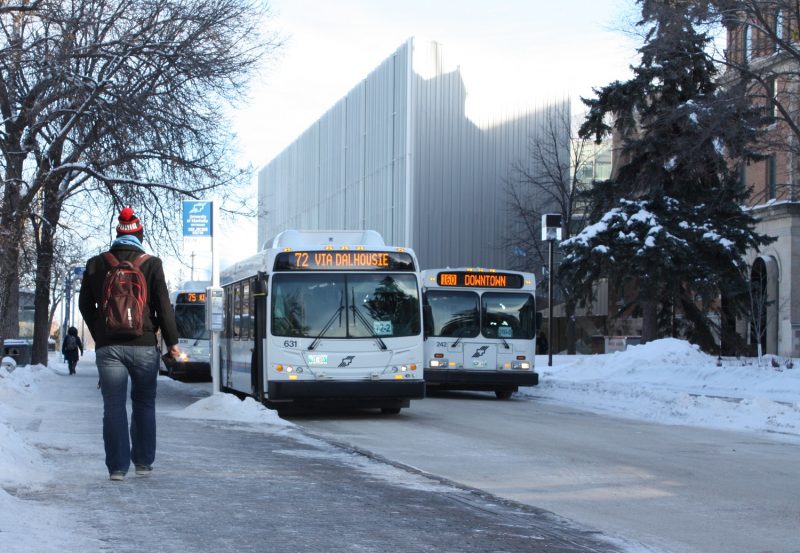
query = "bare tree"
{"x": 549, "y": 181}
{"x": 109, "y": 103}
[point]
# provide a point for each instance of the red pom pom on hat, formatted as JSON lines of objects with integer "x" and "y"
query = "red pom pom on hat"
{"x": 129, "y": 223}
{"x": 126, "y": 214}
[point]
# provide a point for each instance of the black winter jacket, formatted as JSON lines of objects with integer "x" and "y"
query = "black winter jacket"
{"x": 161, "y": 315}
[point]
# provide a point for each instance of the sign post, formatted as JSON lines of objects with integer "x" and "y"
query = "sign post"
{"x": 199, "y": 222}
{"x": 551, "y": 231}
{"x": 73, "y": 275}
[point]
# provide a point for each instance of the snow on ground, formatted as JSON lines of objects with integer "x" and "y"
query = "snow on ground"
{"x": 672, "y": 382}
{"x": 666, "y": 381}
{"x": 229, "y": 408}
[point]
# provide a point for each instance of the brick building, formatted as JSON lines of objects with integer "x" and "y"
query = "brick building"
{"x": 761, "y": 46}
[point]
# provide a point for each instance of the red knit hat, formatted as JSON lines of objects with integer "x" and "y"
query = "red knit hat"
{"x": 128, "y": 222}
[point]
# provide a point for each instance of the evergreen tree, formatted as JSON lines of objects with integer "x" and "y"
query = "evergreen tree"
{"x": 669, "y": 228}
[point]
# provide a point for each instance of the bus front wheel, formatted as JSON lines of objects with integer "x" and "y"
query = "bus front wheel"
{"x": 503, "y": 394}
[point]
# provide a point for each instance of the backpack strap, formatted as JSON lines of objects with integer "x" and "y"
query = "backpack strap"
{"x": 139, "y": 260}
{"x": 111, "y": 259}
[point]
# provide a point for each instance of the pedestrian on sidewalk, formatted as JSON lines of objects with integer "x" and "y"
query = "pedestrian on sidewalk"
{"x": 541, "y": 343}
{"x": 125, "y": 302}
{"x": 72, "y": 348}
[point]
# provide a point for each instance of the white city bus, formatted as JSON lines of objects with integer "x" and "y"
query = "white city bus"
{"x": 480, "y": 330}
{"x": 324, "y": 316}
{"x": 189, "y": 304}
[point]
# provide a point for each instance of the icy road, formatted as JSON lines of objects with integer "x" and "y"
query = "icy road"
{"x": 674, "y": 488}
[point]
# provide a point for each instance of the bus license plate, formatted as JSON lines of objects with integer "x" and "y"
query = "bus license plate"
{"x": 317, "y": 359}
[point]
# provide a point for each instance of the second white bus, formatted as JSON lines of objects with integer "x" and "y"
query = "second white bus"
{"x": 480, "y": 330}
{"x": 189, "y": 304}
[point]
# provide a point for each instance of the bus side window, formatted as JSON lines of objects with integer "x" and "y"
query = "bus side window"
{"x": 229, "y": 310}
{"x": 237, "y": 311}
{"x": 246, "y": 319}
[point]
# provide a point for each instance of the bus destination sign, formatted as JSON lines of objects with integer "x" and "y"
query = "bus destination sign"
{"x": 347, "y": 260}
{"x": 464, "y": 279}
{"x": 191, "y": 297}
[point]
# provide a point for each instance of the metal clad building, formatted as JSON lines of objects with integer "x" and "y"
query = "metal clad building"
{"x": 399, "y": 155}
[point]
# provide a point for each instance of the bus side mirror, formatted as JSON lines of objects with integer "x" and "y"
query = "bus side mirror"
{"x": 538, "y": 321}
{"x": 260, "y": 284}
{"x": 427, "y": 320}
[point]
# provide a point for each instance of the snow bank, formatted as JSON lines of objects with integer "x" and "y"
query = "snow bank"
{"x": 229, "y": 408}
{"x": 21, "y": 464}
{"x": 671, "y": 381}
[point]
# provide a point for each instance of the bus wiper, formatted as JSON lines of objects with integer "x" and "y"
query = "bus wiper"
{"x": 365, "y": 322}
{"x": 454, "y": 344}
{"x": 329, "y": 323}
{"x": 504, "y": 342}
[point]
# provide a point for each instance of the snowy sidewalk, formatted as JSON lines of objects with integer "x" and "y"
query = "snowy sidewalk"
{"x": 226, "y": 486}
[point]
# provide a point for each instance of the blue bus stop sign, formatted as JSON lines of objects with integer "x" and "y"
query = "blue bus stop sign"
{"x": 197, "y": 219}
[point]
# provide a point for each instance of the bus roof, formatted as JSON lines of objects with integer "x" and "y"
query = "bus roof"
{"x": 306, "y": 239}
{"x": 194, "y": 286}
{"x": 333, "y": 241}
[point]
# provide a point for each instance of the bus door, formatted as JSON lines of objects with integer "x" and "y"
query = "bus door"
{"x": 259, "y": 293}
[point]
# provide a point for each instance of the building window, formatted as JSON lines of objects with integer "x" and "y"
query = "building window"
{"x": 747, "y": 50}
{"x": 772, "y": 179}
{"x": 778, "y": 30}
{"x": 771, "y": 106}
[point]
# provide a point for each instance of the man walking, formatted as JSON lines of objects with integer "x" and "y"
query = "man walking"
{"x": 124, "y": 301}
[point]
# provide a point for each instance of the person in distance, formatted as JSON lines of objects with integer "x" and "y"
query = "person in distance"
{"x": 72, "y": 348}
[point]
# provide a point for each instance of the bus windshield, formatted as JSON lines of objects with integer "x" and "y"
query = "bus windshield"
{"x": 508, "y": 315}
{"x": 463, "y": 314}
{"x": 353, "y": 305}
{"x": 455, "y": 314}
{"x": 191, "y": 321}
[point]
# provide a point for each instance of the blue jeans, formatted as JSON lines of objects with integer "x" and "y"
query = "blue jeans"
{"x": 115, "y": 364}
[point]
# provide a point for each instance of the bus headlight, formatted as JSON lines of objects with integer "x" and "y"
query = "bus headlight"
{"x": 183, "y": 357}
{"x": 436, "y": 363}
{"x": 521, "y": 365}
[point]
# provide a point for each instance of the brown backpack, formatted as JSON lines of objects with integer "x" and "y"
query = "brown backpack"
{"x": 124, "y": 297}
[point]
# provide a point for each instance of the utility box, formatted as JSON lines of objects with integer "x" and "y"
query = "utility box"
{"x": 18, "y": 349}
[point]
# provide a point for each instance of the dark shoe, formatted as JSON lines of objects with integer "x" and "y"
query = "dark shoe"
{"x": 117, "y": 476}
{"x": 144, "y": 470}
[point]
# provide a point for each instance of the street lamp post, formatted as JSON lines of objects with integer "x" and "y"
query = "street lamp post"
{"x": 551, "y": 232}
{"x": 73, "y": 274}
